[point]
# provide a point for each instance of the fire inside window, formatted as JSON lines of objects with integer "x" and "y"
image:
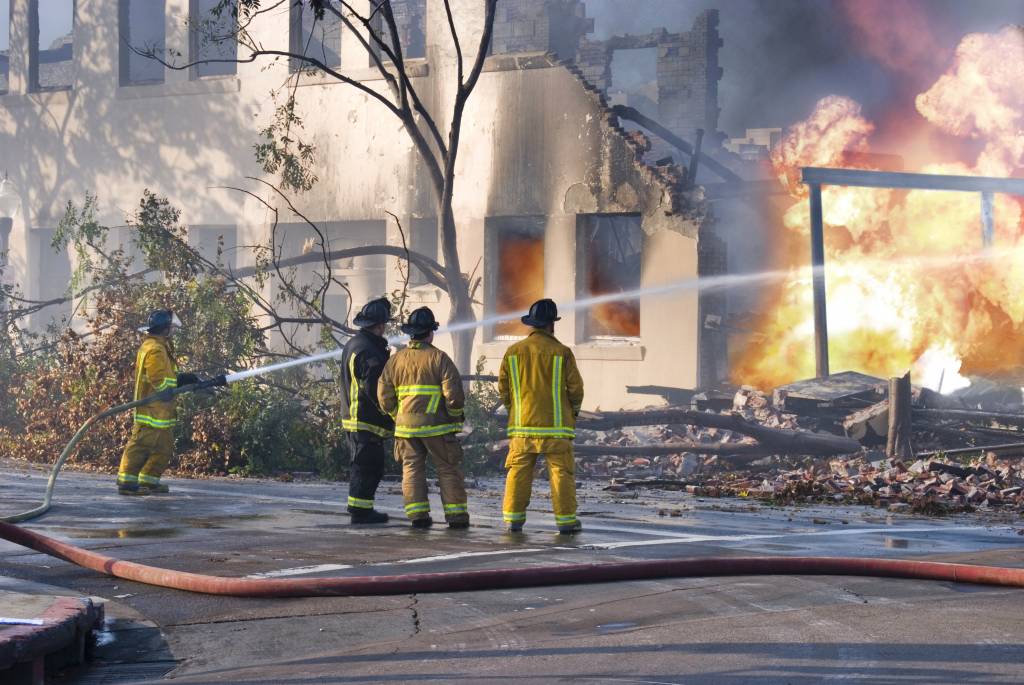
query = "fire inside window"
{"x": 610, "y": 253}
{"x": 318, "y": 39}
{"x": 516, "y": 270}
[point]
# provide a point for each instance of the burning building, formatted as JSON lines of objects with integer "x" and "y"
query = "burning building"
{"x": 553, "y": 198}
{"x": 911, "y": 282}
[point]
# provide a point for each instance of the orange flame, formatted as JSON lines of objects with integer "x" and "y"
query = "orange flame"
{"x": 903, "y": 281}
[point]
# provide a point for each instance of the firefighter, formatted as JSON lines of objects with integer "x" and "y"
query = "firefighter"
{"x": 367, "y": 425}
{"x": 151, "y": 443}
{"x": 543, "y": 391}
{"x": 422, "y": 388}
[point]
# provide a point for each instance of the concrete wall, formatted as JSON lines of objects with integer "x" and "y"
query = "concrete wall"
{"x": 535, "y": 141}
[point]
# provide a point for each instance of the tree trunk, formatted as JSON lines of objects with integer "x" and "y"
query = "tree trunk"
{"x": 458, "y": 287}
{"x": 898, "y": 445}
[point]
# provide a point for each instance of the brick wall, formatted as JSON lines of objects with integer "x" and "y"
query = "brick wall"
{"x": 688, "y": 72}
{"x": 713, "y": 359}
{"x": 540, "y": 26}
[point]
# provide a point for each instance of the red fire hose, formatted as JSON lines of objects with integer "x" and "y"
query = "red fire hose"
{"x": 498, "y": 579}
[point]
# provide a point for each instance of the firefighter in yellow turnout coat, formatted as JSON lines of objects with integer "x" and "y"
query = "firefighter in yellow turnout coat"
{"x": 151, "y": 444}
{"x": 543, "y": 391}
{"x": 422, "y": 389}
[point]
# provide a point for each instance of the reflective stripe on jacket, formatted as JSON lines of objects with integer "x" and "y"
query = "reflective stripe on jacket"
{"x": 363, "y": 361}
{"x": 422, "y": 389}
{"x": 541, "y": 387}
{"x": 155, "y": 371}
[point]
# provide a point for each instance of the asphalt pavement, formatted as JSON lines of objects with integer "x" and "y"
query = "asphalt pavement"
{"x": 795, "y": 630}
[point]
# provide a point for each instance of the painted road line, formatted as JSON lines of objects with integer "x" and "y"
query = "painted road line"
{"x": 304, "y": 570}
{"x": 889, "y": 530}
{"x": 300, "y": 571}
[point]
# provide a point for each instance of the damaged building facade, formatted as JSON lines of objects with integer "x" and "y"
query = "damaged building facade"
{"x": 553, "y": 196}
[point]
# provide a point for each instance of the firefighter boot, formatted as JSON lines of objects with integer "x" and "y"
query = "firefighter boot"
{"x": 131, "y": 490}
{"x": 570, "y": 528}
{"x": 360, "y": 515}
{"x": 423, "y": 522}
{"x": 153, "y": 489}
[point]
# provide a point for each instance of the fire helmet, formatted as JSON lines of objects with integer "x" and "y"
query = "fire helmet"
{"x": 373, "y": 312}
{"x": 160, "y": 319}
{"x": 543, "y": 313}
{"x": 420, "y": 323}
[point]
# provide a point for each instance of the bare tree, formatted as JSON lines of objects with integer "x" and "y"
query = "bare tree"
{"x": 282, "y": 151}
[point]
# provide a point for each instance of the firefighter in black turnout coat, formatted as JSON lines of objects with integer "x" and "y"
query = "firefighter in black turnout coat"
{"x": 365, "y": 422}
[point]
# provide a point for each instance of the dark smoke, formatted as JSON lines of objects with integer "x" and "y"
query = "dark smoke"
{"x": 782, "y": 56}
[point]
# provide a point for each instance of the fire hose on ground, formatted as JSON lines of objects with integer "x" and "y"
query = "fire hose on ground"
{"x": 458, "y": 581}
{"x": 506, "y": 578}
{"x": 162, "y": 396}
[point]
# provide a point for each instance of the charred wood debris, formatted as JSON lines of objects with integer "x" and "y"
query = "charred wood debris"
{"x": 827, "y": 440}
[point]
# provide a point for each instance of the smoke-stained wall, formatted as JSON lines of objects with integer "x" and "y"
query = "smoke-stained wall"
{"x": 537, "y": 141}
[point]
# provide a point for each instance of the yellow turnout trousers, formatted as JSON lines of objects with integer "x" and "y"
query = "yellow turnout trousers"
{"x": 445, "y": 452}
{"x": 521, "y": 462}
{"x": 146, "y": 456}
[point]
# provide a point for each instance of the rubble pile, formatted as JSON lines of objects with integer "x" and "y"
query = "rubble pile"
{"x": 926, "y": 486}
{"x": 931, "y": 482}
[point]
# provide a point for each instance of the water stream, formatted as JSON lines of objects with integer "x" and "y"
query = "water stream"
{"x": 700, "y": 284}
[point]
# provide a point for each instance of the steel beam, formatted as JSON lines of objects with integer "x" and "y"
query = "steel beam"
{"x": 988, "y": 219}
{"x": 892, "y": 179}
{"x": 818, "y": 283}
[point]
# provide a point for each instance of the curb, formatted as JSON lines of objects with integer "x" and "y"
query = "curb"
{"x": 26, "y": 651}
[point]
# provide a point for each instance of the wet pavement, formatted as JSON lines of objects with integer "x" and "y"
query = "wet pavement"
{"x": 717, "y": 630}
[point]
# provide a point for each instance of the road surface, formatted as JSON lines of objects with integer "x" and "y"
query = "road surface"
{"x": 795, "y": 630}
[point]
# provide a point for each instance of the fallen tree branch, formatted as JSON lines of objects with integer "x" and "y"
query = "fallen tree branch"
{"x": 970, "y": 414}
{"x": 1012, "y": 447}
{"x": 773, "y": 440}
{"x": 721, "y": 448}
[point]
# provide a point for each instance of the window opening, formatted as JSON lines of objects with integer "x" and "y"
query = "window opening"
{"x": 515, "y": 270}
{"x": 422, "y": 238}
{"x": 51, "y": 50}
{"x": 410, "y": 20}
{"x": 142, "y": 28}
{"x": 212, "y": 36}
{"x": 5, "y": 45}
{"x": 318, "y": 39}
{"x": 217, "y": 243}
{"x": 610, "y": 253}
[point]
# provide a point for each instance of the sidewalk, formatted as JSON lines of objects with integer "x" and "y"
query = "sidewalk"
{"x": 54, "y": 634}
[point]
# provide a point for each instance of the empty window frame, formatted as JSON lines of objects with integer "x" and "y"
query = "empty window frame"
{"x": 515, "y": 270}
{"x": 142, "y": 28}
{"x": 609, "y": 260}
{"x": 422, "y": 238}
{"x": 53, "y": 273}
{"x": 318, "y": 38}
{"x": 50, "y": 52}
{"x": 410, "y": 21}
{"x": 364, "y": 277}
{"x": 212, "y": 36}
{"x": 216, "y": 243}
{"x": 5, "y": 240}
{"x": 5, "y": 45}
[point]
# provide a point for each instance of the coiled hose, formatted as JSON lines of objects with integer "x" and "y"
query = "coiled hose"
{"x": 459, "y": 581}
{"x": 162, "y": 396}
